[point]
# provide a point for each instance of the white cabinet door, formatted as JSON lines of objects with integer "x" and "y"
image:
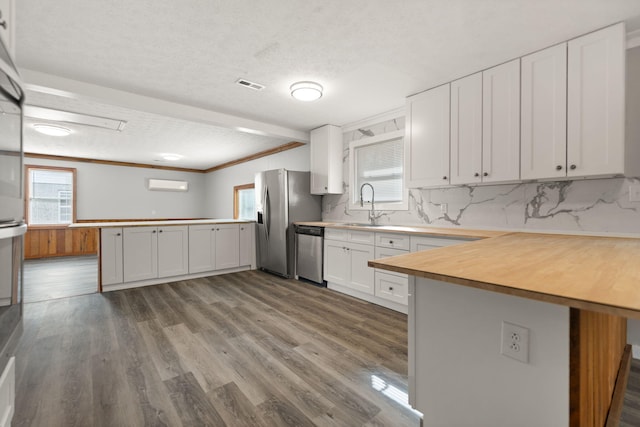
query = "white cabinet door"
{"x": 202, "y": 248}
{"x": 247, "y": 245}
{"x": 326, "y": 160}
{"x": 392, "y": 287}
{"x": 140, "y": 253}
{"x": 227, "y": 253}
{"x": 362, "y": 276}
{"x": 466, "y": 130}
{"x": 544, "y": 114}
{"x": 501, "y": 123}
{"x": 111, "y": 256}
{"x": 173, "y": 250}
{"x": 427, "y": 138}
{"x": 336, "y": 262}
{"x": 596, "y": 110}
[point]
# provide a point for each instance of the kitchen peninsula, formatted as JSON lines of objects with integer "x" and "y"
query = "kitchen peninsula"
{"x": 572, "y": 296}
{"x": 141, "y": 253}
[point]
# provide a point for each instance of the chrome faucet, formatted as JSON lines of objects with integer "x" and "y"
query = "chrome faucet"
{"x": 372, "y": 216}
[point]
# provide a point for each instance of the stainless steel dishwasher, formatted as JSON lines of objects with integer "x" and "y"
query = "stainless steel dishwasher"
{"x": 309, "y": 246}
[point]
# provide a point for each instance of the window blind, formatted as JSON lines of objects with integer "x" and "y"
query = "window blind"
{"x": 380, "y": 164}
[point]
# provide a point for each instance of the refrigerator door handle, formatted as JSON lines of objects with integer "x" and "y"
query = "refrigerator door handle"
{"x": 267, "y": 214}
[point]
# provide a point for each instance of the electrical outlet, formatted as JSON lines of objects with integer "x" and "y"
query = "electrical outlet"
{"x": 515, "y": 342}
{"x": 444, "y": 208}
{"x": 634, "y": 193}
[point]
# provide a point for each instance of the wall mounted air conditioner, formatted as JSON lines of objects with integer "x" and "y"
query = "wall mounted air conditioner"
{"x": 167, "y": 185}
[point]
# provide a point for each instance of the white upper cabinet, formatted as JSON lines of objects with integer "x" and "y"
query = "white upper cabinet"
{"x": 544, "y": 114}
{"x": 326, "y": 160}
{"x": 501, "y": 123}
{"x": 485, "y": 126}
{"x": 466, "y": 130}
{"x": 595, "y": 90}
{"x": 427, "y": 138}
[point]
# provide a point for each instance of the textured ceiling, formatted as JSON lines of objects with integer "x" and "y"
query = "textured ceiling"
{"x": 368, "y": 54}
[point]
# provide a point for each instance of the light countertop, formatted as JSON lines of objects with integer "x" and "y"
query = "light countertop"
{"x": 152, "y": 223}
{"x": 411, "y": 229}
{"x": 593, "y": 273}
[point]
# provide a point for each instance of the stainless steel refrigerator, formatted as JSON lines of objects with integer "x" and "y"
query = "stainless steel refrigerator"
{"x": 282, "y": 198}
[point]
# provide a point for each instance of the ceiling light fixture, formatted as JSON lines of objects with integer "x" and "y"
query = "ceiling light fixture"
{"x": 52, "y": 130}
{"x": 306, "y": 91}
{"x": 171, "y": 157}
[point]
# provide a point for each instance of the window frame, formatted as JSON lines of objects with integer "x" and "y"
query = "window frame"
{"x": 27, "y": 194}
{"x": 354, "y": 195}
{"x": 236, "y": 197}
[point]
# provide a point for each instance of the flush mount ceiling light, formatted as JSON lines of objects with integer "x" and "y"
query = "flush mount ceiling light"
{"x": 171, "y": 157}
{"x": 306, "y": 91}
{"x": 52, "y": 130}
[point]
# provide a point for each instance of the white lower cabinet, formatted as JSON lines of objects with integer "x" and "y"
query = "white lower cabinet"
{"x": 111, "y": 256}
{"x": 248, "y": 245}
{"x": 345, "y": 263}
{"x": 173, "y": 251}
{"x": 140, "y": 253}
{"x": 213, "y": 247}
{"x": 392, "y": 287}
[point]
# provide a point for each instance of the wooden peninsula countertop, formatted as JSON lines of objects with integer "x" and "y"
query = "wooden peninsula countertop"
{"x": 600, "y": 274}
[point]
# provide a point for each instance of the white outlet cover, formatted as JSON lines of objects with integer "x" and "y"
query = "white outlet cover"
{"x": 515, "y": 342}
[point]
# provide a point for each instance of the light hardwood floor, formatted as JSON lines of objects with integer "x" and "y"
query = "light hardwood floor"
{"x": 60, "y": 277}
{"x": 245, "y": 349}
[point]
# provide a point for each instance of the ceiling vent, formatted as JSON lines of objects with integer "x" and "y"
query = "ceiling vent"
{"x": 250, "y": 85}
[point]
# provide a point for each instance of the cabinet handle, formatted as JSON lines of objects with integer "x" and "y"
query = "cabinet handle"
{"x": 391, "y": 242}
{"x": 325, "y": 188}
{"x": 476, "y": 174}
{"x": 485, "y": 174}
{"x": 117, "y": 234}
{"x": 572, "y": 167}
{"x": 154, "y": 231}
{"x": 160, "y": 231}
{"x": 241, "y": 228}
{"x": 390, "y": 288}
{"x": 444, "y": 177}
{"x": 559, "y": 167}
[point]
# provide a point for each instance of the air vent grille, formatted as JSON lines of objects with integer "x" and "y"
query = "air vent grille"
{"x": 250, "y": 85}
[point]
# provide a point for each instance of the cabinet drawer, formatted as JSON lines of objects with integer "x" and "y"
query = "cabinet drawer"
{"x": 391, "y": 240}
{"x": 391, "y": 287}
{"x": 387, "y": 252}
{"x": 336, "y": 234}
{"x": 421, "y": 243}
{"x": 365, "y": 237}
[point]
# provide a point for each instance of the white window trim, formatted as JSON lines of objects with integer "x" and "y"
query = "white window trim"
{"x": 354, "y": 202}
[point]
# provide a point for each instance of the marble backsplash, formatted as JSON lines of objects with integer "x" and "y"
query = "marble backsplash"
{"x": 588, "y": 205}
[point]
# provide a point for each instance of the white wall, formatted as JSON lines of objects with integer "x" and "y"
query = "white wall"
{"x": 219, "y": 184}
{"x": 114, "y": 192}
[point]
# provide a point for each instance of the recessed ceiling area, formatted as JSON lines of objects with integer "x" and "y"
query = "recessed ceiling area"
{"x": 368, "y": 55}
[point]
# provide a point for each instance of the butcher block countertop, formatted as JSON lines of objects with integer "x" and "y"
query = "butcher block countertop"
{"x": 600, "y": 274}
{"x": 410, "y": 229}
{"x": 156, "y": 223}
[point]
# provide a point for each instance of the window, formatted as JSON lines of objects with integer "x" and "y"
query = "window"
{"x": 378, "y": 161}
{"x": 50, "y": 195}
{"x": 244, "y": 202}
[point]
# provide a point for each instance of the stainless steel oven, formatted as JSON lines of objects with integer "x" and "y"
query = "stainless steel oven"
{"x": 12, "y": 226}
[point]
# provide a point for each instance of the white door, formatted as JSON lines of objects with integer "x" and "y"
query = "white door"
{"x": 596, "y": 110}
{"x": 202, "y": 248}
{"x": 501, "y": 123}
{"x": 543, "y": 115}
{"x": 362, "y": 276}
{"x": 111, "y": 256}
{"x": 227, "y": 246}
{"x": 173, "y": 250}
{"x": 140, "y": 253}
{"x": 336, "y": 262}
{"x": 247, "y": 245}
{"x": 466, "y": 130}
{"x": 427, "y": 138}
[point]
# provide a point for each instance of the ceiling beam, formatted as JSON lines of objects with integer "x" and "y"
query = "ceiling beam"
{"x": 54, "y": 85}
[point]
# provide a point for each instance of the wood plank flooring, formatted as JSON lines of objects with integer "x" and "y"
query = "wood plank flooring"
{"x": 243, "y": 349}
{"x": 50, "y": 278}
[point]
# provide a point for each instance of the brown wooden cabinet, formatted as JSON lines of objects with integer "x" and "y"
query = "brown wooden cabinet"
{"x": 60, "y": 241}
